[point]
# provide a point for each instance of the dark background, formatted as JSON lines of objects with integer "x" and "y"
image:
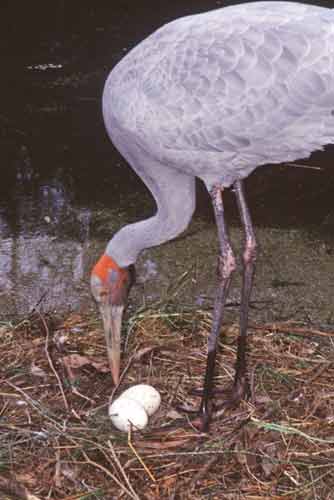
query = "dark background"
{"x": 51, "y": 124}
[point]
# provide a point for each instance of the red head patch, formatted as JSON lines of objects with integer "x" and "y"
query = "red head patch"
{"x": 115, "y": 280}
{"x": 104, "y": 266}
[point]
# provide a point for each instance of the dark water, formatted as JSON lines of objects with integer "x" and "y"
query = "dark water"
{"x": 64, "y": 189}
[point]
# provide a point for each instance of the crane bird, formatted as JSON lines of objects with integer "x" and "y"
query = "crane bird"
{"x": 213, "y": 96}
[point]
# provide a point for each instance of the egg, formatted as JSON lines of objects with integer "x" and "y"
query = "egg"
{"x": 146, "y": 395}
{"x": 126, "y": 412}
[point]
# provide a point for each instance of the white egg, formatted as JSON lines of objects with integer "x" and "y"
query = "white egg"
{"x": 125, "y": 413}
{"x": 146, "y": 395}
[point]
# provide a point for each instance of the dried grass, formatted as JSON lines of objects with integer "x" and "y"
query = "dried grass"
{"x": 56, "y": 440}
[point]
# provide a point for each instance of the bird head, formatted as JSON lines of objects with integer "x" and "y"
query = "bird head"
{"x": 110, "y": 285}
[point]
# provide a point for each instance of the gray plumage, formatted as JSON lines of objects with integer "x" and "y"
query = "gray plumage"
{"x": 215, "y": 95}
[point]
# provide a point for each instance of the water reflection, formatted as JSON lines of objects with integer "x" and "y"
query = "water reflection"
{"x": 61, "y": 197}
{"x": 40, "y": 264}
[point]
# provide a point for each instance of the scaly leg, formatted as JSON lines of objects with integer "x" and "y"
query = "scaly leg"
{"x": 226, "y": 266}
{"x": 241, "y": 385}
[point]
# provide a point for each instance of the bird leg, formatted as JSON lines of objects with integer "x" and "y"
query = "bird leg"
{"x": 226, "y": 266}
{"x": 241, "y": 387}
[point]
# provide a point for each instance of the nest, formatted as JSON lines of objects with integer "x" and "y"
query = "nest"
{"x": 57, "y": 442}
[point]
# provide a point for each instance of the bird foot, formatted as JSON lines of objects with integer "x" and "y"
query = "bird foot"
{"x": 233, "y": 397}
{"x": 200, "y": 417}
{"x": 240, "y": 390}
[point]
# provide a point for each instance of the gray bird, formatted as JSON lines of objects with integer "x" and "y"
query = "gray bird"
{"x": 213, "y": 96}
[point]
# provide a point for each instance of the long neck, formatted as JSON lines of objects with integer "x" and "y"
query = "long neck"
{"x": 174, "y": 194}
{"x": 128, "y": 242}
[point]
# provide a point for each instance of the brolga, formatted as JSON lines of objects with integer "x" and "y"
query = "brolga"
{"x": 213, "y": 96}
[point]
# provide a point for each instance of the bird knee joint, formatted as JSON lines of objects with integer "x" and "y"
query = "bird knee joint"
{"x": 226, "y": 264}
{"x": 249, "y": 254}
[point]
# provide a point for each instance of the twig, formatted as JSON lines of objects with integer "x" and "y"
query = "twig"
{"x": 35, "y": 405}
{"x": 15, "y": 490}
{"x": 315, "y": 496}
{"x": 319, "y": 372}
{"x": 134, "y": 451}
{"x": 46, "y": 349}
{"x": 289, "y": 430}
{"x": 119, "y": 465}
{"x": 286, "y": 328}
{"x": 57, "y": 478}
{"x": 301, "y": 165}
{"x": 38, "y": 303}
{"x": 109, "y": 474}
{"x": 306, "y": 486}
{"x": 200, "y": 475}
{"x": 31, "y": 313}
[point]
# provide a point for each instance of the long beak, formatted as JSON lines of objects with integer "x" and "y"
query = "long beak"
{"x": 112, "y": 322}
